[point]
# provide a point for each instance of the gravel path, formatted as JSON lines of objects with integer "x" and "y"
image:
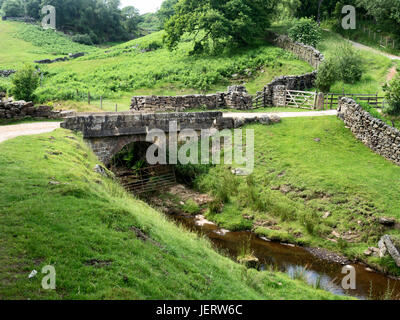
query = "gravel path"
{"x": 281, "y": 114}
{"x": 364, "y": 47}
{"x": 24, "y": 129}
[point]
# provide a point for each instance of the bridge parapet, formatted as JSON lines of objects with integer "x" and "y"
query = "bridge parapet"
{"x": 108, "y": 133}
{"x": 123, "y": 124}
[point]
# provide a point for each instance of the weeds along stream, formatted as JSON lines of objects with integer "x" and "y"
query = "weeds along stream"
{"x": 319, "y": 268}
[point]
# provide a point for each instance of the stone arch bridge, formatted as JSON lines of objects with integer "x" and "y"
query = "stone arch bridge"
{"x": 109, "y": 133}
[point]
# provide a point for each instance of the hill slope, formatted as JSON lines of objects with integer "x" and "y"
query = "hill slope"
{"x": 55, "y": 210}
{"x": 145, "y": 66}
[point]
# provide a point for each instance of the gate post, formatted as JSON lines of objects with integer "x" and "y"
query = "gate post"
{"x": 319, "y": 101}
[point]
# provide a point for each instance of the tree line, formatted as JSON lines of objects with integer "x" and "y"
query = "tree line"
{"x": 91, "y": 21}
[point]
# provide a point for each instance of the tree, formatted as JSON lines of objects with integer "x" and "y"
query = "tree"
{"x": 349, "y": 64}
{"x": 166, "y": 11}
{"x": 13, "y": 8}
{"x": 33, "y": 8}
{"x": 24, "y": 83}
{"x": 306, "y": 31}
{"x": 382, "y": 10}
{"x": 392, "y": 95}
{"x": 132, "y": 20}
{"x": 219, "y": 23}
{"x": 327, "y": 75}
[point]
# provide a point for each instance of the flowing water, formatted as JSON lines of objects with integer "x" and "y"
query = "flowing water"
{"x": 295, "y": 260}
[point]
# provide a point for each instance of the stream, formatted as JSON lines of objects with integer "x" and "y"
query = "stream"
{"x": 294, "y": 260}
{"x": 316, "y": 269}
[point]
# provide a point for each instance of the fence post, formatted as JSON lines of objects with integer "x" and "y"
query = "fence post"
{"x": 116, "y": 108}
{"x": 88, "y": 96}
{"x": 101, "y": 102}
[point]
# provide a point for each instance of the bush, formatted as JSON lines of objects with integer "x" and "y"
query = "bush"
{"x": 13, "y": 8}
{"x": 191, "y": 207}
{"x": 327, "y": 75}
{"x": 306, "y": 31}
{"x": 392, "y": 95}
{"x": 349, "y": 64}
{"x": 82, "y": 39}
{"x": 25, "y": 82}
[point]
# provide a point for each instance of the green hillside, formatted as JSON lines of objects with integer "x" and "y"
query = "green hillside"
{"x": 56, "y": 210}
{"x": 141, "y": 66}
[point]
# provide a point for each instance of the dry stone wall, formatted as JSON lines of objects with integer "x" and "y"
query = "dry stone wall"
{"x": 20, "y": 109}
{"x": 374, "y": 133}
{"x": 274, "y": 92}
{"x": 302, "y": 51}
{"x": 6, "y": 73}
{"x": 236, "y": 98}
{"x": 69, "y": 57}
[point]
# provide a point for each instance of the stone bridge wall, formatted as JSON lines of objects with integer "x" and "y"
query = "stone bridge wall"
{"x": 374, "y": 133}
{"x": 66, "y": 58}
{"x": 236, "y": 98}
{"x": 108, "y": 133}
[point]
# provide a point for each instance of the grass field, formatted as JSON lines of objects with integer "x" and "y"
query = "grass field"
{"x": 305, "y": 169}
{"x": 141, "y": 66}
{"x": 55, "y": 210}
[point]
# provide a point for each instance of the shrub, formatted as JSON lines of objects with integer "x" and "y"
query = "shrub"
{"x": 191, "y": 207}
{"x": 392, "y": 95}
{"x": 25, "y": 82}
{"x": 82, "y": 39}
{"x": 306, "y": 31}
{"x": 349, "y": 64}
{"x": 215, "y": 207}
{"x": 327, "y": 75}
{"x": 13, "y": 8}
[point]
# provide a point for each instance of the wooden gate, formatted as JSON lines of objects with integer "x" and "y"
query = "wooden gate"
{"x": 331, "y": 100}
{"x": 300, "y": 99}
{"x": 259, "y": 100}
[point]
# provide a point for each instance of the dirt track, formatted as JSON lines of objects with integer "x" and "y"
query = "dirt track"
{"x": 24, "y": 129}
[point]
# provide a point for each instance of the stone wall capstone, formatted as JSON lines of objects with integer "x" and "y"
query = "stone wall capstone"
{"x": 374, "y": 133}
{"x": 235, "y": 98}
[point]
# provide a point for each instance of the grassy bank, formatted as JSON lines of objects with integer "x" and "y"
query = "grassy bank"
{"x": 314, "y": 185}
{"x": 141, "y": 66}
{"x": 104, "y": 244}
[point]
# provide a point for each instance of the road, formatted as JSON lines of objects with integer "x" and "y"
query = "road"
{"x": 280, "y": 114}
{"x": 24, "y": 129}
